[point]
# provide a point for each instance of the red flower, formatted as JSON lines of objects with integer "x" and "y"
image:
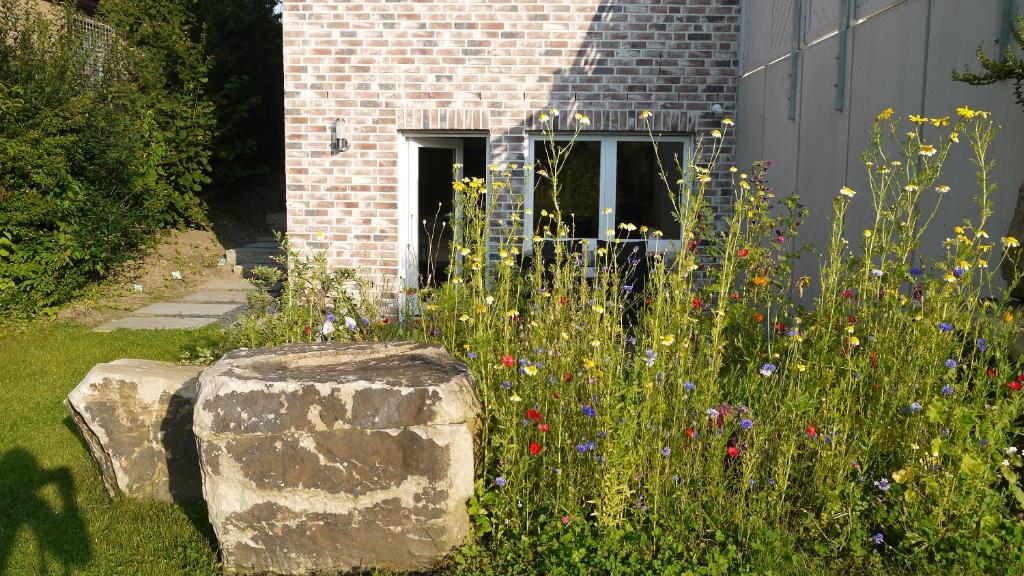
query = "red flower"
{"x": 692, "y": 245}
{"x": 690, "y": 432}
{"x": 508, "y": 361}
{"x": 812, "y": 431}
{"x": 851, "y": 319}
{"x": 1015, "y": 385}
{"x": 532, "y": 414}
{"x": 733, "y": 451}
{"x": 1020, "y": 378}
{"x": 758, "y": 317}
{"x": 556, "y": 395}
{"x": 696, "y": 302}
{"x": 735, "y": 296}
{"x": 780, "y": 327}
{"x": 543, "y": 427}
{"x": 385, "y": 320}
{"x": 534, "y": 448}
{"x": 567, "y": 377}
{"x": 991, "y": 372}
{"x": 847, "y": 293}
{"x": 647, "y": 301}
{"x": 563, "y": 300}
{"x": 307, "y": 331}
{"x": 743, "y": 252}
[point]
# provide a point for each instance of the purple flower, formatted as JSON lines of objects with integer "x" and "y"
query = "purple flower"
{"x": 331, "y": 317}
{"x": 915, "y": 406}
{"x": 364, "y": 320}
{"x": 588, "y": 411}
{"x": 500, "y": 481}
{"x": 767, "y": 369}
{"x": 666, "y": 451}
{"x": 945, "y": 326}
{"x": 915, "y": 271}
{"x": 981, "y": 344}
{"x": 506, "y": 384}
{"x": 883, "y": 485}
{"x": 878, "y": 538}
{"x": 471, "y": 355}
{"x": 688, "y": 386}
{"x": 628, "y": 288}
{"x": 585, "y": 447}
{"x": 712, "y": 413}
{"x": 746, "y": 424}
{"x": 958, "y": 272}
{"x": 950, "y": 363}
{"x": 650, "y": 357}
{"x": 947, "y": 389}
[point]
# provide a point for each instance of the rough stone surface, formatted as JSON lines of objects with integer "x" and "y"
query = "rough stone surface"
{"x": 1014, "y": 263}
{"x": 157, "y": 323}
{"x": 337, "y": 457}
{"x": 136, "y": 417}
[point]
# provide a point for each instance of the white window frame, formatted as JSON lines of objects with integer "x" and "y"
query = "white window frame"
{"x": 607, "y": 191}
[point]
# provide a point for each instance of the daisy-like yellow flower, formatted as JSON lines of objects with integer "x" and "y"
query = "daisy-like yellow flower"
{"x": 530, "y": 370}
{"x": 464, "y": 318}
{"x": 728, "y": 122}
{"x": 645, "y": 114}
{"x": 911, "y": 188}
{"x": 965, "y": 112}
{"x": 847, "y": 191}
{"x": 1007, "y": 317}
{"x": 927, "y": 150}
{"x": 949, "y": 277}
{"x": 942, "y": 189}
{"x": 885, "y": 114}
{"x": 911, "y": 135}
{"x": 668, "y": 340}
{"x": 958, "y": 229}
{"x": 954, "y": 137}
{"x": 918, "y": 119}
{"x": 597, "y": 308}
{"x": 944, "y": 121}
{"x": 867, "y": 233}
{"x": 733, "y": 169}
{"x": 854, "y": 341}
{"x": 543, "y": 117}
{"x": 515, "y": 398}
{"x": 606, "y": 210}
{"x": 801, "y": 367}
{"x": 1010, "y": 242}
{"x": 716, "y": 133}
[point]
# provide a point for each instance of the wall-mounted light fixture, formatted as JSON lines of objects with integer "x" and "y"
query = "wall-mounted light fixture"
{"x": 339, "y": 139}
{"x": 717, "y": 110}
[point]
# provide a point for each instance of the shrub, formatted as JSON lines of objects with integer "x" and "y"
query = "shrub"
{"x": 711, "y": 424}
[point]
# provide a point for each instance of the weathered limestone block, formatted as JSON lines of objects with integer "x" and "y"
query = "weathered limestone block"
{"x": 136, "y": 417}
{"x": 337, "y": 457}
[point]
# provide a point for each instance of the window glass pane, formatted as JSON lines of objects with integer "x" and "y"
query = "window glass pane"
{"x": 579, "y": 183}
{"x": 641, "y": 197}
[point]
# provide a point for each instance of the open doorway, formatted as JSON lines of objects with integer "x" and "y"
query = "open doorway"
{"x": 429, "y": 165}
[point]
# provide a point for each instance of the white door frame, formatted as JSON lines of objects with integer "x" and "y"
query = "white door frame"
{"x": 408, "y": 197}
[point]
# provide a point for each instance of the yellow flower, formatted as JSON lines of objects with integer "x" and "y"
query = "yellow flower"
{"x": 515, "y": 398}
{"x": 965, "y": 112}
{"x": 847, "y": 191}
{"x": 854, "y": 341}
{"x": 958, "y": 229}
{"x": 645, "y": 114}
{"x": 867, "y": 233}
{"x": 595, "y": 343}
{"x": 668, "y": 340}
{"x": 949, "y": 277}
{"x": 885, "y": 114}
{"x": 728, "y": 122}
{"x": 918, "y": 119}
{"x": 530, "y": 370}
{"x": 464, "y": 318}
{"x": 1010, "y": 242}
{"x": 942, "y": 189}
{"x": 927, "y": 150}
{"x": 553, "y": 112}
{"x": 489, "y": 300}
{"x": 903, "y": 475}
{"x": 733, "y": 169}
{"x": 512, "y": 313}
{"x": 801, "y": 368}
{"x": 1007, "y": 317}
{"x": 911, "y": 188}
{"x": 911, "y": 135}
{"x": 954, "y": 137}
{"x": 598, "y": 309}
{"x": 944, "y": 121}
{"x": 606, "y": 210}
{"x": 716, "y": 133}
{"x": 543, "y": 117}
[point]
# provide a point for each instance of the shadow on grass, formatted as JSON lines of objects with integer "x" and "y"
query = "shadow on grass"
{"x": 59, "y": 531}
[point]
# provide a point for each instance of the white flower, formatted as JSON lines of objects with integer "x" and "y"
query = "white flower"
{"x": 350, "y": 323}
{"x": 328, "y": 328}
{"x": 847, "y": 191}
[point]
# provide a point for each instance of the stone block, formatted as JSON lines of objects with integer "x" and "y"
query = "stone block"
{"x": 136, "y": 417}
{"x": 337, "y": 456}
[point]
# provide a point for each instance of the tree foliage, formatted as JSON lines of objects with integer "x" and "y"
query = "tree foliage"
{"x": 1008, "y": 67}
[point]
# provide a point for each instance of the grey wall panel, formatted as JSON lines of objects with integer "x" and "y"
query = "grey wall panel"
{"x": 888, "y": 60}
{"x": 823, "y": 147}
{"x": 750, "y": 120}
{"x": 954, "y": 35}
{"x": 781, "y": 135}
{"x": 757, "y": 33}
{"x": 782, "y": 28}
{"x": 866, "y": 8}
{"x": 822, "y": 18}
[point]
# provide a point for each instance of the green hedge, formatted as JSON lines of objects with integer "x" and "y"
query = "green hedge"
{"x": 95, "y": 153}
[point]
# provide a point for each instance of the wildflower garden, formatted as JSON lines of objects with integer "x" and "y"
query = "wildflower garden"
{"x": 697, "y": 408}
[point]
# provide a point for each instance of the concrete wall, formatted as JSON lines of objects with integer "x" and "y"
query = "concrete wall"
{"x": 900, "y": 54}
{"x": 391, "y": 67}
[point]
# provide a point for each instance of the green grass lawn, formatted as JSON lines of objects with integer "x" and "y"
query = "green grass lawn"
{"x": 55, "y": 517}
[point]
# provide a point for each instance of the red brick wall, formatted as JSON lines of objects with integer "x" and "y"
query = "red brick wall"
{"x": 386, "y": 66}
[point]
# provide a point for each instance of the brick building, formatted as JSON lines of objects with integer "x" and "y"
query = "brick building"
{"x": 409, "y": 87}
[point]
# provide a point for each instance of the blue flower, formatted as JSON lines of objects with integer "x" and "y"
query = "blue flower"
{"x": 585, "y": 447}
{"x": 768, "y": 369}
{"x": 746, "y": 424}
{"x": 950, "y": 363}
{"x": 945, "y": 326}
{"x": 878, "y": 538}
{"x": 915, "y": 271}
{"x": 915, "y": 406}
{"x": 883, "y": 485}
{"x": 688, "y": 386}
{"x": 471, "y": 355}
{"x": 331, "y": 317}
{"x": 666, "y": 451}
{"x": 651, "y": 355}
{"x": 947, "y": 389}
{"x": 588, "y": 411}
{"x": 981, "y": 344}
{"x": 958, "y": 272}
{"x": 500, "y": 481}
{"x": 364, "y": 320}
{"x": 712, "y": 413}
{"x": 506, "y": 384}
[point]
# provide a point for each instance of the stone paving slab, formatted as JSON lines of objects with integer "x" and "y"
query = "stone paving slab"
{"x": 156, "y": 323}
{"x": 228, "y": 284}
{"x": 236, "y": 296}
{"x": 186, "y": 309}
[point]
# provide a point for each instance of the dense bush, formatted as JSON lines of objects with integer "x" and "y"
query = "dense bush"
{"x": 96, "y": 153}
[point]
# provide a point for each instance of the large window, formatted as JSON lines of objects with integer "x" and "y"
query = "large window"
{"x": 607, "y": 181}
